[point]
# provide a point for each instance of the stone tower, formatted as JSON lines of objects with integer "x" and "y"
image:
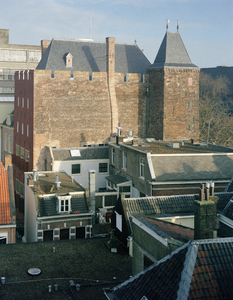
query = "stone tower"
{"x": 173, "y": 92}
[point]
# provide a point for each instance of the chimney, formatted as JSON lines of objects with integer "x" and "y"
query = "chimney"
{"x": 205, "y": 215}
{"x": 34, "y": 174}
{"x": 57, "y": 182}
{"x": 110, "y": 43}
{"x": 8, "y": 161}
{"x": 44, "y": 46}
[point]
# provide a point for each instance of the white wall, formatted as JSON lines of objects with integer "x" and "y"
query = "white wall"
{"x": 187, "y": 221}
{"x": 85, "y": 166}
{"x": 30, "y": 216}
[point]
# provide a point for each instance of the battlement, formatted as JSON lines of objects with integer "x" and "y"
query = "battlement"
{"x": 80, "y": 75}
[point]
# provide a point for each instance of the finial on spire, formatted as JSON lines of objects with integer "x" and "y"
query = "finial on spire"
{"x": 177, "y": 25}
{"x": 168, "y": 21}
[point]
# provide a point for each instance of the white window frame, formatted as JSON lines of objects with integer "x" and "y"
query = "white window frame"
{"x": 124, "y": 160}
{"x": 62, "y": 206}
{"x": 107, "y": 168}
{"x": 4, "y": 235}
{"x": 142, "y": 168}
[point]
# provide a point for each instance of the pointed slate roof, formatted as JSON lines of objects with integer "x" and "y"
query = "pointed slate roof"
{"x": 200, "y": 269}
{"x": 90, "y": 56}
{"x": 172, "y": 53}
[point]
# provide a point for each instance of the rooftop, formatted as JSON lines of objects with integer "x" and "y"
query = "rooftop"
{"x": 87, "y": 262}
{"x": 200, "y": 269}
{"x": 5, "y": 205}
{"x": 165, "y": 147}
{"x": 45, "y": 184}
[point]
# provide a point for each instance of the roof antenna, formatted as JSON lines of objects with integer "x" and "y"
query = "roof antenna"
{"x": 168, "y": 21}
{"x": 90, "y": 26}
{"x": 177, "y": 25}
{"x": 135, "y": 41}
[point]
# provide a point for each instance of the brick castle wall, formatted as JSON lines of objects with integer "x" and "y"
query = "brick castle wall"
{"x": 174, "y": 104}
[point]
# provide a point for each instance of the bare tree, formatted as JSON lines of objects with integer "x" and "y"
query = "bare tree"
{"x": 216, "y": 124}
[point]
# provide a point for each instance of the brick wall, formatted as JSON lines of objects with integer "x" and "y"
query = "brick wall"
{"x": 174, "y": 104}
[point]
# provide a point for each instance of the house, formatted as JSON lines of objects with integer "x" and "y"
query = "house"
{"x": 56, "y": 208}
{"x": 14, "y": 58}
{"x": 157, "y": 168}
{"x": 177, "y": 209}
{"x": 7, "y": 204}
{"x": 200, "y": 269}
{"x": 7, "y": 133}
{"x": 153, "y": 238}
{"x": 76, "y": 162}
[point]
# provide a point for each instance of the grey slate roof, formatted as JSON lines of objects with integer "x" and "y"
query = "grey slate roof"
{"x": 48, "y": 206}
{"x": 201, "y": 269}
{"x": 172, "y": 53}
{"x": 192, "y": 167}
{"x": 117, "y": 179}
{"x": 86, "y": 153}
{"x": 90, "y": 56}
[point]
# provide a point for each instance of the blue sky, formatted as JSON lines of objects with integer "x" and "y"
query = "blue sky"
{"x": 206, "y": 26}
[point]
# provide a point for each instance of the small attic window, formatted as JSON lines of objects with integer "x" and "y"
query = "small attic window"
{"x": 69, "y": 58}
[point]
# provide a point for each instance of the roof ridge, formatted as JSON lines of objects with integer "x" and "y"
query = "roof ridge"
{"x": 186, "y": 275}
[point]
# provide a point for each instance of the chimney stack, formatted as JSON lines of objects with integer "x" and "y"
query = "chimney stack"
{"x": 57, "y": 182}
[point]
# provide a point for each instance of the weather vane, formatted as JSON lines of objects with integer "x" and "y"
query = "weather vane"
{"x": 177, "y": 25}
{"x": 168, "y": 21}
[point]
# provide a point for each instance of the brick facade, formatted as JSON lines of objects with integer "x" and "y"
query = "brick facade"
{"x": 174, "y": 104}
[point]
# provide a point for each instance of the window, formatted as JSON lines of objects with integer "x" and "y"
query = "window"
{"x": 27, "y": 130}
{"x": 190, "y": 81}
{"x": 17, "y": 150}
{"x": 9, "y": 144}
{"x": 190, "y": 127}
{"x": 113, "y": 156}
{"x": 22, "y": 128}
{"x": 17, "y": 126}
{"x": 22, "y": 102}
{"x": 26, "y": 155}
{"x": 119, "y": 221}
{"x": 21, "y": 189}
{"x": 64, "y": 204}
{"x": 124, "y": 160}
{"x": 18, "y": 101}
{"x": 13, "y": 55}
{"x": 75, "y": 169}
{"x": 103, "y": 167}
{"x": 142, "y": 167}
{"x": 22, "y": 153}
{"x": 190, "y": 104}
{"x": 27, "y": 103}
{"x": 69, "y": 58}
{"x": 124, "y": 189}
{"x": 34, "y": 56}
{"x": 5, "y": 142}
{"x": 17, "y": 186}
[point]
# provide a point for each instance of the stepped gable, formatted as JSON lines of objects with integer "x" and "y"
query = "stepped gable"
{"x": 90, "y": 56}
{"x": 201, "y": 269}
{"x": 172, "y": 53}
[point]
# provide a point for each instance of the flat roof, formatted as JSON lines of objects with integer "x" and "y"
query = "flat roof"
{"x": 46, "y": 183}
{"x": 161, "y": 147}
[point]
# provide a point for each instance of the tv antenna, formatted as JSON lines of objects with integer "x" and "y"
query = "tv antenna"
{"x": 168, "y": 21}
{"x": 90, "y": 25}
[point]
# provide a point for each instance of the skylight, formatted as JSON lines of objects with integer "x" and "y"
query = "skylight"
{"x": 75, "y": 153}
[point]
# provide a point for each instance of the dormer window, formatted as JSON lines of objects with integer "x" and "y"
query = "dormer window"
{"x": 69, "y": 58}
{"x": 64, "y": 204}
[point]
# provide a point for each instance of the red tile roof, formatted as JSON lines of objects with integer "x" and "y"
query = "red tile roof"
{"x": 5, "y": 207}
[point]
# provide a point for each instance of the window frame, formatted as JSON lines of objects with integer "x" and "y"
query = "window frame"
{"x": 105, "y": 168}
{"x": 75, "y": 173}
{"x": 142, "y": 167}
{"x": 113, "y": 155}
{"x": 124, "y": 160}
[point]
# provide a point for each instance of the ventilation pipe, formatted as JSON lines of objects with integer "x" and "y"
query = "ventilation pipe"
{"x": 207, "y": 190}
{"x": 34, "y": 174}
{"x": 212, "y": 188}
{"x": 3, "y": 280}
{"x": 50, "y": 288}
{"x": 57, "y": 182}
